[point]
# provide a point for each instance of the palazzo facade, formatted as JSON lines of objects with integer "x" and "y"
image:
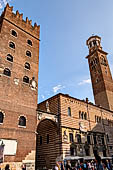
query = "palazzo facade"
{"x": 83, "y": 128}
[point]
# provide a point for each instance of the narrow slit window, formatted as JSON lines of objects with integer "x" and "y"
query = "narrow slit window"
{"x": 79, "y": 114}
{"x": 69, "y": 111}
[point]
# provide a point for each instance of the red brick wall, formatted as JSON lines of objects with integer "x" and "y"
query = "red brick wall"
{"x": 18, "y": 100}
{"x": 54, "y": 105}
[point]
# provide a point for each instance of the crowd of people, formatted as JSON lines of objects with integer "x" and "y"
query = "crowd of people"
{"x": 96, "y": 164}
{"x": 7, "y": 167}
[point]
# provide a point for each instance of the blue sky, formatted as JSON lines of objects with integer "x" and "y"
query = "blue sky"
{"x": 65, "y": 27}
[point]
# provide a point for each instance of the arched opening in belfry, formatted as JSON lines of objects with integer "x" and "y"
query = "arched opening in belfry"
{"x": 47, "y": 144}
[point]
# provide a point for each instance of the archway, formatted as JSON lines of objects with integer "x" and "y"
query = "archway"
{"x": 47, "y": 145}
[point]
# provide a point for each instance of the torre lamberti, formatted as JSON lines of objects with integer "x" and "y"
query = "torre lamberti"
{"x": 61, "y": 126}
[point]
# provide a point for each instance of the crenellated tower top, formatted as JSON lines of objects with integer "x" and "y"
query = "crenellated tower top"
{"x": 17, "y": 19}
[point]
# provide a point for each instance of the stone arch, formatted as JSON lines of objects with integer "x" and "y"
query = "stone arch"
{"x": 47, "y": 150}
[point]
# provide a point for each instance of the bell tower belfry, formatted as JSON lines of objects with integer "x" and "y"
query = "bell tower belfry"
{"x": 101, "y": 77}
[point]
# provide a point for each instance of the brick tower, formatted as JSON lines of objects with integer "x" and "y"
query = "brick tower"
{"x": 100, "y": 73}
{"x": 19, "y": 60}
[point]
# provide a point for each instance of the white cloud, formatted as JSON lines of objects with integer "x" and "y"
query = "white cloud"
{"x": 1, "y": 6}
{"x": 57, "y": 88}
{"x": 88, "y": 81}
{"x": 5, "y": 2}
{"x": 43, "y": 97}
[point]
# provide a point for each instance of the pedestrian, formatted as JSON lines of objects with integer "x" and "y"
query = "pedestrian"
{"x": 99, "y": 163}
{"x": 109, "y": 165}
{"x": 95, "y": 166}
{"x": 62, "y": 166}
{"x": 92, "y": 165}
{"x": 78, "y": 166}
{"x": 68, "y": 166}
{"x": 75, "y": 168}
{"x": 23, "y": 167}
{"x": 105, "y": 165}
{"x": 7, "y": 167}
{"x": 57, "y": 167}
{"x": 89, "y": 166}
{"x": 84, "y": 165}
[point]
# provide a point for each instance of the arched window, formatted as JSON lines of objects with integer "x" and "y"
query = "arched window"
{"x": 13, "y": 32}
{"x": 78, "y": 138}
{"x": 85, "y": 116}
{"x": 29, "y": 42}
{"x": 99, "y": 119}
{"x": 26, "y": 79}
{"x": 95, "y": 43}
{"x": 69, "y": 111}
{"x": 11, "y": 45}
{"x": 90, "y": 44}
{"x": 82, "y": 115}
{"x": 28, "y": 53}
{"x": 22, "y": 121}
{"x": 1, "y": 117}
{"x": 79, "y": 114}
{"x": 27, "y": 66}
{"x": 7, "y": 72}
{"x": 10, "y": 58}
{"x": 71, "y": 137}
